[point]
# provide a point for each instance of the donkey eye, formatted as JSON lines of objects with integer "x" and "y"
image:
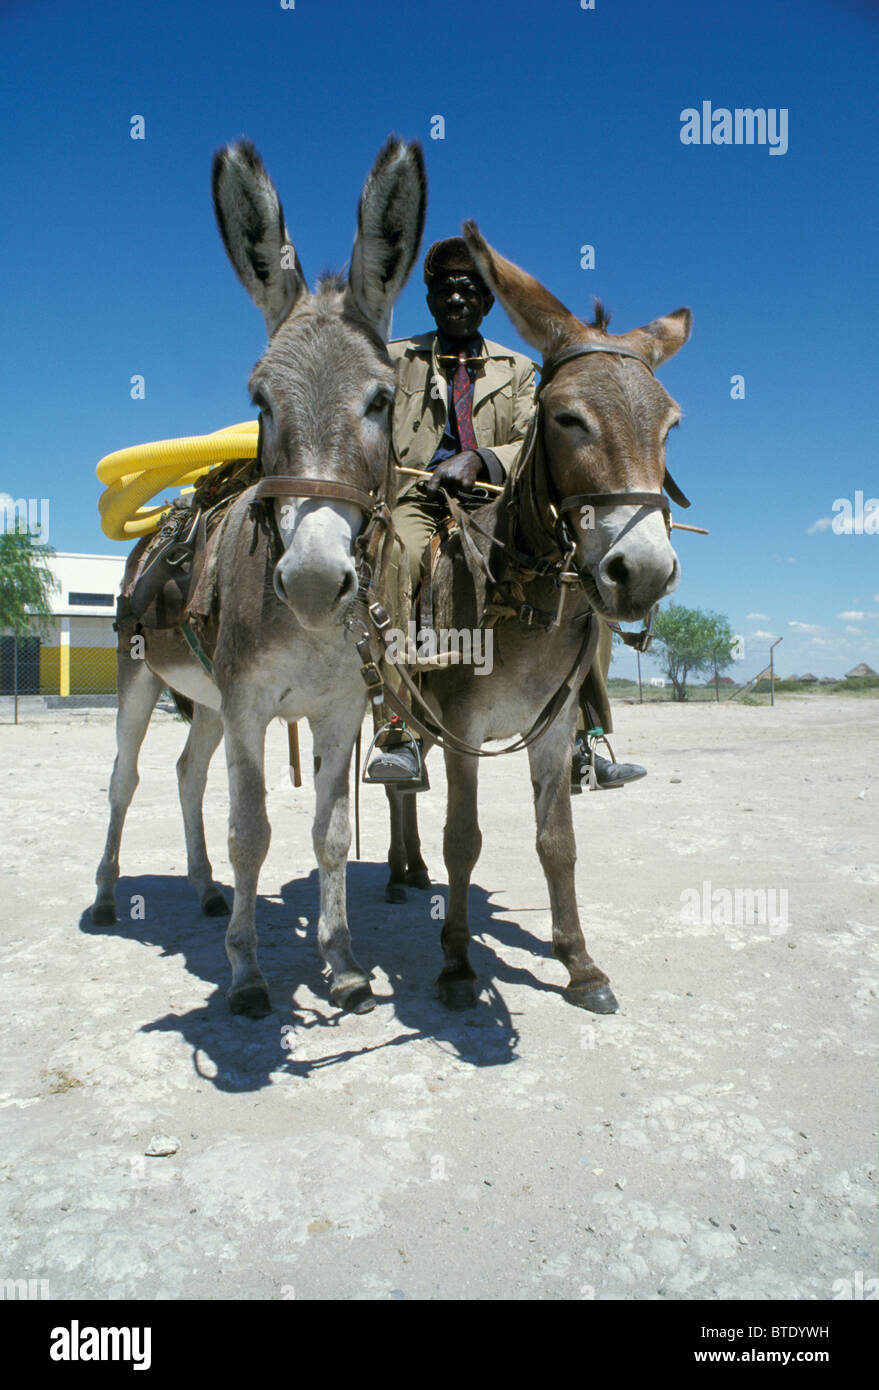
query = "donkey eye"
{"x": 261, "y": 403}
{"x": 379, "y": 403}
{"x": 570, "y": 422}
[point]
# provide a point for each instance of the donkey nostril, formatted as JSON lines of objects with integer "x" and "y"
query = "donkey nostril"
{"x": 616, "y": 571}
{"x": 347, "y": 588}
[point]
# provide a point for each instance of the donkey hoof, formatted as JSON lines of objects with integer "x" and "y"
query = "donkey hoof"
{"x": 457, "y": 994}
{"x": 598, "y": 1001}
{"x": 104, "y": 914}
{"x": 215, "y": 905}
{"x": 418, "y": 878}
{"x": 395, "y": 893}
{"x": 354, "y": 999}
{"x": 251, "y": 1000}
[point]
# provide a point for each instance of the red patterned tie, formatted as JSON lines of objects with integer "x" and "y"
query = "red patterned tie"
{"x": 462, "y": 404}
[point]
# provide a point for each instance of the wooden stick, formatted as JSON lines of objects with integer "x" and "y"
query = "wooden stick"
{"x": 293, "y": 746}
{"x": 423, "y": 473}
{"x": 496, "y": 487}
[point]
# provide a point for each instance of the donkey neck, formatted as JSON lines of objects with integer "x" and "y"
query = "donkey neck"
{"x": 532, "y": 529}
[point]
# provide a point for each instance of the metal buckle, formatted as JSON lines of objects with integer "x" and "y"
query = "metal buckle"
{"x": 526, "y": 608}
{"x": 372, "y": 678}
{"x": 380, "y": 622}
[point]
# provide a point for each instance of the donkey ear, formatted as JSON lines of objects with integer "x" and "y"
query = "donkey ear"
{"x": 542, "y": 320}
{"x": 661, "y": 339}
{"x": 390, "y": 221}
{"x": 251, "y": 222}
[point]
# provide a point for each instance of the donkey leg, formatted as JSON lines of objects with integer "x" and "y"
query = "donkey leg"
{"x": 249, "y": 836}
{"x": 333, "y": 741}
{"x": 416, "y": 869}
{"x": 205, "y": 733}
{"x": 395, "y": 888}
{"x": 550, "y": 759}
{"x": 462, "y": 842}
{"x": 139, "y": 689}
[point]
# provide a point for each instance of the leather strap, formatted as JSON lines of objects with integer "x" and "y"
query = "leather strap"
{"x": 613, "y": 499}
{"x": 282, "y": 485}
{"x": 558, "y": 359}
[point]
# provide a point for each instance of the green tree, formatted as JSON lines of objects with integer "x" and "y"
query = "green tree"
{"x": 26, "y": 582}
{"x": 691, "y": 641}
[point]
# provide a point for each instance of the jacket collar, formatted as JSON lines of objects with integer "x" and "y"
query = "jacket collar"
{"x": 425, "y": 344}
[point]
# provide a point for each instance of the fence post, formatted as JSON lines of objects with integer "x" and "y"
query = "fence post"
{"x": 772, "y": 670}
{"x": 64, "y": 659}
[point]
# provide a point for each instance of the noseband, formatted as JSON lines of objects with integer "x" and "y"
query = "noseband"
{"x": 378, "y": 522}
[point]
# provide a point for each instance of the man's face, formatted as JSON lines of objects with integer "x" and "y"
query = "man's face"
{"x": 458, "y": 303}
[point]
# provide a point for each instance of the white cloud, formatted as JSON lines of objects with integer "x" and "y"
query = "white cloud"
{"x": 820, "y": 642}
{"x": 803, "y": 627}
{"x": 761, "y": 633}
{"x": 757, "y": 617}
{"x": 856, "y": 630}
{"x": 851, "y": 615}
{"x": 823, "y": 523}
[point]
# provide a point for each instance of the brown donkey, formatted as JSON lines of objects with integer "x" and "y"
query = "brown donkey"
{"x": 585, "y": 500}
{"x": 276, "y": 641}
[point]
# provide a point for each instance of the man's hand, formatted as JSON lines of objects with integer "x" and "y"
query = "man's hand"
{"x": 455, "y": 473}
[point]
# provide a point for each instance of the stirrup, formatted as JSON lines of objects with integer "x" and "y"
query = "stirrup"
{"x": 395, "y": 734}
{"x": 590, "y": 739}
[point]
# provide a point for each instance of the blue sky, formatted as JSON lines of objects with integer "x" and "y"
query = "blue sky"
{"x": 562, "y": 128}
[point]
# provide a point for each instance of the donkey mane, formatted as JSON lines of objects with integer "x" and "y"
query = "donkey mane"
{"x": 602, "y": 315}
{"x": 331, "y": 280}
{"x": 332, "y": 295}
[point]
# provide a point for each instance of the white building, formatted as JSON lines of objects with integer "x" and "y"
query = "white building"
{"x": 75, "y": 652}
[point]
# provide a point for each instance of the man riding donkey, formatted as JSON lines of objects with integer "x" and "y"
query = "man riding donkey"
{"x": 461, "y": 412}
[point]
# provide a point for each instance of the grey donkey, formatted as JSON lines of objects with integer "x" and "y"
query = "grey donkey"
{"x": 325, "y": 389}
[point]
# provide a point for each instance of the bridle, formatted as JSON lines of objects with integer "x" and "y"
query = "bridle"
{"x": 543, "y": 542}
{"x": 560, "y": 529}
{"x": 370, "y": 541}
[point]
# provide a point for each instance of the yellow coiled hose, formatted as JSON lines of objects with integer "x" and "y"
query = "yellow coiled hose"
{"x": 135, "y": 475}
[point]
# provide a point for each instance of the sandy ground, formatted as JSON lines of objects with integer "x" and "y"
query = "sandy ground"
{"x": 715, "y": 1139}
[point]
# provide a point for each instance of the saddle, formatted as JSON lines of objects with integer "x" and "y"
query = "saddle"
{"x": 166, "y": 586}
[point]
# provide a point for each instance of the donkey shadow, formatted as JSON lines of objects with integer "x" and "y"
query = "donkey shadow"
{"x": 240, "y": 1054}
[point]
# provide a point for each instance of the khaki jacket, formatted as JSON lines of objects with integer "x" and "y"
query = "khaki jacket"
{"x": 503, "y": 401}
